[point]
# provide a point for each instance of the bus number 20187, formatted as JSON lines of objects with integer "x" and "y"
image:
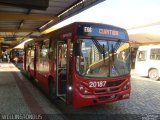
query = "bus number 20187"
{"x": 97, "y": 84}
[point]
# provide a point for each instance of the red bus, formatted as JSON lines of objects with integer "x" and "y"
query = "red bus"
{"x": 17, "y": 53}
{"x": 82, "y": 63}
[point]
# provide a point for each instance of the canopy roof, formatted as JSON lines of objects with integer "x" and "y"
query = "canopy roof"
{"x": 20, "y": 20}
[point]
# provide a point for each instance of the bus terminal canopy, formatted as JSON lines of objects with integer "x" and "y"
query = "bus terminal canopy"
{"x": 20, "y": 20}
{"x": 145, "y": 34}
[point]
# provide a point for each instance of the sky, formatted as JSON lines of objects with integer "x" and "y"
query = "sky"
{"x": 122, "y": 13}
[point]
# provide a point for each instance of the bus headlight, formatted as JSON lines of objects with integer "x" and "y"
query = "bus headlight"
{"x": 128, "y": 83}
{"x": 84, "y": 90}
{"x": 126, "y": 86}
{"x": 125, "y": 96}
{"x": 69, "y": 88}
{"x": 81, "y": 88}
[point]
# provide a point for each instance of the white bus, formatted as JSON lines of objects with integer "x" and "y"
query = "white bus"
{"x": 148, "y": 61}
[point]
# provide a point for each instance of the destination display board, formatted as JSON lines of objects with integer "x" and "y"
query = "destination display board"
{"x": 102, "y": 31}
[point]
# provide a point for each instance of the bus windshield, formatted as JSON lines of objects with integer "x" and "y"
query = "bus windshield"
{"x": 103, "y": 58}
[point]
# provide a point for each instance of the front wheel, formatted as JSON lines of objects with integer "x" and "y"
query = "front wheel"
{"x": 153, "y": 74}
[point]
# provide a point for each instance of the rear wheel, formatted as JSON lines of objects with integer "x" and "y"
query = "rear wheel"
{"x": 52, "y": 90}
{"x": 153, "y": 74}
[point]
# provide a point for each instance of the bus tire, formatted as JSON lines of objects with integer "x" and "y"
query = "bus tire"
{"x": 153, "y": 74}
{"x": 52, "y": 89}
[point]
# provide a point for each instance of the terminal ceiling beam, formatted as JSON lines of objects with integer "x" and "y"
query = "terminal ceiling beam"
{"x": 2, "y": 36}
{"x": 29, "y": 4}
{"x": 20, "y": 16}
{"x": 17, "y": 30}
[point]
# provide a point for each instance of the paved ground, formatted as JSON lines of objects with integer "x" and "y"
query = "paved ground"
{"x": 19, "y": 96}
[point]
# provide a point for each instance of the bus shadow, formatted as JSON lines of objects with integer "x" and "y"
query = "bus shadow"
{"x": 100, "y": 112}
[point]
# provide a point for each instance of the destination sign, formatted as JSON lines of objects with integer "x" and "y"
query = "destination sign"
{"x": 102, "y": 31}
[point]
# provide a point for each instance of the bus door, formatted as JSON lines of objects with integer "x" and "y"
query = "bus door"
{"x": 63, "y": 70}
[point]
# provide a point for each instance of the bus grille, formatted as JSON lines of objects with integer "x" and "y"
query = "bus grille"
{"x": 114, "y": 83}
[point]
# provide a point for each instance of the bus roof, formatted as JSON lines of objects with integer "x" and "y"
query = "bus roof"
{"x": 145, "y": 47}
{"x": 90, "y": 29}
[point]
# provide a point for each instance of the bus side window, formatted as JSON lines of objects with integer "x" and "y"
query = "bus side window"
{"x": 52, "y": 47}
{"x": 62, "y": 55}
{"x": 141, "y": 56}
{"x": 155, "y": 54}
{"x": 45, "y": 49}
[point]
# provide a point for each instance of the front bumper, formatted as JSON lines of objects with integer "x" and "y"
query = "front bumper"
{"x": 89, "y": 100}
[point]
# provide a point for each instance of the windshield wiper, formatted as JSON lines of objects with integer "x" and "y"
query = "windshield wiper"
{"x": 116, "y": 46}
{"x": 100, "y": 48}
{"x": 112, "y": 51}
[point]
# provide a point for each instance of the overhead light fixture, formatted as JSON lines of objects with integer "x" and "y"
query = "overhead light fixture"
{"x": 46, "y": 24}
{"x": 79, "y": 3}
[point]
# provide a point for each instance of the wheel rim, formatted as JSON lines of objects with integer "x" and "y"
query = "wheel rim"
{"x": 154, "y": 74}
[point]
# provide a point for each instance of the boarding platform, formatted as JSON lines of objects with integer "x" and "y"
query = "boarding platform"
{"x": 18, "y": 96}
